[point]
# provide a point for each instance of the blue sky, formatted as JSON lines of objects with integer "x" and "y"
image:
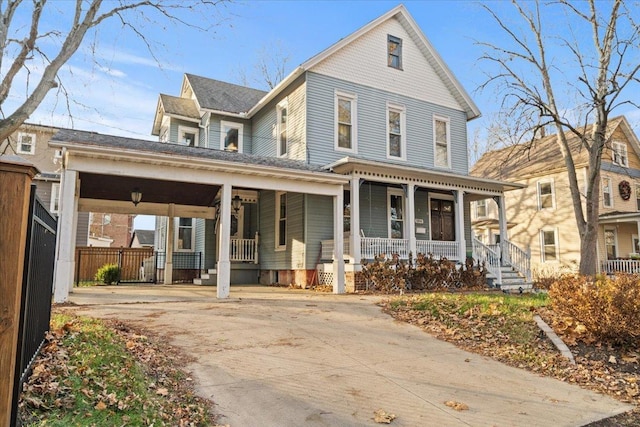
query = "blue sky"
{"x": 114, "y": 82}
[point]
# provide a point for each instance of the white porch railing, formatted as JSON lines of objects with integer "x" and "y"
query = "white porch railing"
{"x": 439, "y": 249}
{"x": 490, "y": 257}
{"x": 374, "y": 246}
{"x": 629, "y": 266}
{"x": 519, "y": 259}
{"x": 326, "y": 249}
{"x": 245, "y": 250}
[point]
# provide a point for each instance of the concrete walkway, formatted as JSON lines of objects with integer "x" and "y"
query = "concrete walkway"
{"x": 280, "y": 357}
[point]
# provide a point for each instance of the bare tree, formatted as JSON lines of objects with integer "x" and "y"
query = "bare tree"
{"x": 597, "y": 75}
{"x": 270, "y": 67}
{"x": 26, "y": 46}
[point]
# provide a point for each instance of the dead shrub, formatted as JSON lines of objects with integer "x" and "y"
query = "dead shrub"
{"x": 386, "y": 274}
{"x": 609, "y": 308}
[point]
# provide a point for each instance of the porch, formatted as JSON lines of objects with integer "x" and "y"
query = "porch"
{"x": 370, "y": 247}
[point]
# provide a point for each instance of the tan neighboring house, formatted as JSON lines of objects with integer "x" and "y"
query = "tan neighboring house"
{"x": 31, "y": 142}
{"x": 541, "y": 215}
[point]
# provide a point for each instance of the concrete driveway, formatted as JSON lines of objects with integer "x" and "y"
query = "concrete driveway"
{"x": 280, "y": 357}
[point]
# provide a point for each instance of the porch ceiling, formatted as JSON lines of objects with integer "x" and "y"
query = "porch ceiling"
{"x": 118, "y": 188}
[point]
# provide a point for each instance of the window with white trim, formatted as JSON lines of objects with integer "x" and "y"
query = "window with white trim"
{"x": 26, "y": 143}
{"x": 396, "y": 213}
{"x": 345, "y": 119}
{"x": 441, "y": 142}
{"x": 481, "y": 208}
{"x": 546, "y": 195}
{"x": 188, "y": 136}
{"x": 610, "y": 243}
{"x": 282, "y": 128}
{"x": 54, "y": 204}
{"x": 620, "y": 157}
{"x": 281, "y": 220}
{"x": 231, "y": 136}
{"x": 394, "y": 52}
{"x": 549, "y": 245}
{"x": 396, "y": 132}
{"x": 185, "y": 234}
{"x": 607, "y": 195}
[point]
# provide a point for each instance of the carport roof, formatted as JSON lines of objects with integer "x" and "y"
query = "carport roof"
{"x": 77, "y": 138}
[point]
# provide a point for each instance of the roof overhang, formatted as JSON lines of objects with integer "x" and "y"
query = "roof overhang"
{"x": 390, "y": 172}
{"x": 619, "y": 217}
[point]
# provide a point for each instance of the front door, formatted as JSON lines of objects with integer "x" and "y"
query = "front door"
{"x": 442, "y": 220}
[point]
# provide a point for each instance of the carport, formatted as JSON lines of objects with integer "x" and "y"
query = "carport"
{"x": 100, "y": 173}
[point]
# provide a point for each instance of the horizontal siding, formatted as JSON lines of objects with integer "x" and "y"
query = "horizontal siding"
{"x": 210, "y": 255}
{"x": 199, "y": 231}
{"x": 371, "y": 125}
{"x": 373, "y": 210}
{"x": 319, "y": 226}
{"x": 421, "y": 200}
{"x": 293, "y": 257}
{"x": 296, "y": 128}
{"x": 215, "y": 130}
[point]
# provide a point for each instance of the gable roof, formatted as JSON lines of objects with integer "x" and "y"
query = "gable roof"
{"x": 173, "y": 106}
{"x": 400, "y": 13}
{"x": 221, "y": 96}
{"x": 145, "y": 237}
{"x": 541, "y": 157}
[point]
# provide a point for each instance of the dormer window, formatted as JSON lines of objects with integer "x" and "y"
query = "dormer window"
{"x": 394, "y": 52}
{"x": 231, "y": 136}
{"x": 620, "y": 157}
{"x": 187, "y": 136}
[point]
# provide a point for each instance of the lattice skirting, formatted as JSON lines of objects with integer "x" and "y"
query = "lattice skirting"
{"x": 325, "y": 278}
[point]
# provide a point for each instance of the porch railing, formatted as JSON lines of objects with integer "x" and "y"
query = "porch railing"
{"x": 245, "y": 250}
{"x": 490, "y": 257}
{"x": 629, "y": 266}
{"x": 519, "y": 259}
{"x": 374, "y": 246}
{"x": 439, "y": 249}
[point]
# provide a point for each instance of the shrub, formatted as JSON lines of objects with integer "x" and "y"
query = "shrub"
{"x": 426, "y": 273}
{"x": 545, "y": 275}
{"x": 108, "y": 273}
{"x": 608, "y": 308}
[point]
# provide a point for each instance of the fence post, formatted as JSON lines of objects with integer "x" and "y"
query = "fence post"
{"x": 16, "y": 175}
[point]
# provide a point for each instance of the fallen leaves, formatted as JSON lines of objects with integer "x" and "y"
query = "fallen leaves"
{"x": 383, "y": 417}
{"x": 458, "y": 406}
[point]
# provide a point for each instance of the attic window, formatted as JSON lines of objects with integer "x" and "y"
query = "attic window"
{"x": 394, "y": 52}
{"x": 620, "y": 154}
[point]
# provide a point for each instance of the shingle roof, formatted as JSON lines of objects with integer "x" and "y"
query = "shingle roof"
{"x": 222, "y": 96}
{"x": 184, "y": 107}
{"x": 145, "y": 237}
{"x": 118, "y": 143}
{"x": 540, "y": 157}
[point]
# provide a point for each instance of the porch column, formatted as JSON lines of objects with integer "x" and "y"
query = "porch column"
{"x": 462, "y": 244}
{"x": 356, "y": 252}
{"x": 411, "y": 219}
{"x": 168, "y": 259}
{"x": 67, "y": 225}
{"x": 338, "y": 239}
{"x": 224, "y": 265}
{"x": 502, "y": 224}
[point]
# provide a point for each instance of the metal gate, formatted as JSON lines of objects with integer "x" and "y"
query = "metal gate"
{"x": 37, "y": 289}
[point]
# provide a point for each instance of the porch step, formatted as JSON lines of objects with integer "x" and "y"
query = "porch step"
{"x": 511, "y": 281}
{"x": 208, "y": 278}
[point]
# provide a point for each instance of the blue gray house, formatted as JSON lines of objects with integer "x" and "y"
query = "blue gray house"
{"x": 361, "y": 150}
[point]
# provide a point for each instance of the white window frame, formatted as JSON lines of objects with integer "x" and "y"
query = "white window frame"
{"x": 609, "y": 187}
{"x": 278, "y": 246}
{"x": 619, "y": 154}
{"x": 403, "y": 131}
{"x": 398, "y": 40}
{"x": 353, "y": 99}
{"x": 539, "y": 194}
{"x": 187, "y": 129}
{"x": 478, "y": 205}
{"x": 555, "y": 243}
{"x": 232, "y": 125}
{"x": 447, "y": 122}
{"x": 176, "y": 237}
{"x": 283, "y": 105}
{"x": 397, "y": 192}
{"x": 54, "y": 203}
{"x": 615, "y": 241}
{"x": 33, "y": 143}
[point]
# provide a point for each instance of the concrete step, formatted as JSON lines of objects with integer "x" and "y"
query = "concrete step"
{"x": 208, "y": 278}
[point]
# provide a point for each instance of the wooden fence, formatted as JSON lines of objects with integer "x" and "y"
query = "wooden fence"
{"x": 90, "y": 259}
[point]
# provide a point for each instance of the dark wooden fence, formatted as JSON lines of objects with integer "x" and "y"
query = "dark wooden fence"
{"x": 37, "y": 289}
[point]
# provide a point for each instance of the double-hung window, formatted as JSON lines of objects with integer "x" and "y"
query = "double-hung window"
{"x": 54, "y": 205}
{"x": 282, "y": 128}
{"x": 441, "y": 142}
{"x": 546, "y": 196}
{"x": 26, "y": 143}
{"x": 394, "y": 52}
{"x": 549, "y": 245}
{"x": 607, "y": 195}
{"x": 396, "y": 132}
{"x": 620, "y": 157}
{"x": 281, "y": 220}
{"x": 345, "y": 119}
{"x": 231, "y": 136}
{"x": 185, "y": 234}
{"x": 481, "y": 208}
